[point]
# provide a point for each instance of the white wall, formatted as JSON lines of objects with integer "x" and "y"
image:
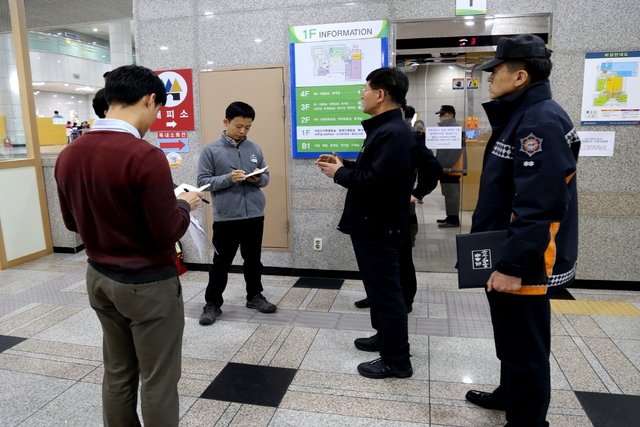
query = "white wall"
{"x": 56, "y": 67}
{"x": 48, "y": 102}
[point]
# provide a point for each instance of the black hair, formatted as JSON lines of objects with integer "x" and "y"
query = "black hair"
{"x": 239, "y": 109}
{"x": 55, "y": 112}
{"x": 128, "y": 84}
{"x": 537, "y": 68}
{"x": 393, "y": 81}
{"x": 105, "y": 75}
{"x": 100, "y": 104}
{"x": 409, "y": 112}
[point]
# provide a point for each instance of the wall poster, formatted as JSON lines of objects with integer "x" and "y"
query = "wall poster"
{"x": 611, "y": 89}
{"x": 329, "y": 65}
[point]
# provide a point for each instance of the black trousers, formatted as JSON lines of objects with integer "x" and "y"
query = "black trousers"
{"x": 522, "y": 332}
{"x": 407, "y": 271}
{"x": 380, "y": 270}
{"x": 227, "y": 236}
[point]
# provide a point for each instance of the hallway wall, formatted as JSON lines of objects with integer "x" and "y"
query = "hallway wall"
{"x": 206, "y": 34}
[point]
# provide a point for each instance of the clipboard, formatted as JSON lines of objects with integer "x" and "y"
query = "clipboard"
{"x": 478, "y": 255}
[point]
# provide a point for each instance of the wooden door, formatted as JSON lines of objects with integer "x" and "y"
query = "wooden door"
{"x": 263, "y": 89}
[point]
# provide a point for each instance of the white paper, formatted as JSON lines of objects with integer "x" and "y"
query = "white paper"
{"x": 440, "y": 137}
{"x": 596, "y": 143}
{"x": 258, "y": 172}
{"x": 198, "y": 235}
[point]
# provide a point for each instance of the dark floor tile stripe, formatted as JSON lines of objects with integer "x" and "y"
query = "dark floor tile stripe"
{"x": 7, "y": 341}
{"x": 318, "y": 283}
{"x": 610, "y": 410}
{"x": 251, "y": 384}
{"x": 561, "y": 294}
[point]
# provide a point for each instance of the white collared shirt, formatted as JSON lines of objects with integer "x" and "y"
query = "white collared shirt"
{"x": 115, "y": 125}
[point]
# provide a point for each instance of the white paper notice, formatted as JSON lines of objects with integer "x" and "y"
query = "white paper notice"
{"x": 596, "y": 143}
{"x": 199, "y": 236}
{"x": 444, "y": 137}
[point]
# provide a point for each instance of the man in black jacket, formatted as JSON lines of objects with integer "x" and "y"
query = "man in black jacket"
{"x": 376, "y": 215}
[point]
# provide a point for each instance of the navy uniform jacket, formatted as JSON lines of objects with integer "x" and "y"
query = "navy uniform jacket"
{"x": 379, "y": 182}
{"x": 528, "y": 186}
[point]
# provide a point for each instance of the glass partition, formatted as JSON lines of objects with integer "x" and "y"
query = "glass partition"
{"x": 66, "y": 46}
{"x": 440, "y": 58}
{"x": 12, "y": 132}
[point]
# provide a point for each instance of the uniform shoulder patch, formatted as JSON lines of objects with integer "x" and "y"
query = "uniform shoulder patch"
{"x": 531, "y": 145}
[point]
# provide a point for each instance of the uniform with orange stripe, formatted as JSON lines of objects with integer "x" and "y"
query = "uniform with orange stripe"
{"x": 528, "y": 186}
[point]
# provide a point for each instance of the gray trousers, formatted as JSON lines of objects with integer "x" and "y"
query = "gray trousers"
{"x": 451, "y": 192}
{"x": 142, "y": 329}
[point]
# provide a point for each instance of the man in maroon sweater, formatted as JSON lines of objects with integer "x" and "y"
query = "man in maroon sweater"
{"x": 116, "y": 190}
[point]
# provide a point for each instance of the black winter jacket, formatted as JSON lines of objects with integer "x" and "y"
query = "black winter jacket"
{"x": 528, "y": 186}
{"x": 379, "y": 182}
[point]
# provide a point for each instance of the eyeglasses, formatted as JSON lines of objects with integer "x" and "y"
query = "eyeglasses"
{"x": 363, "y": 90}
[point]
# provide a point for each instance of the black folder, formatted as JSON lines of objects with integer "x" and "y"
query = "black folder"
{"x": 478, "y": 254}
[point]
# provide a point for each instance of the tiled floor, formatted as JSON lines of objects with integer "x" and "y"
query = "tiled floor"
{"x": 297, "y": 367}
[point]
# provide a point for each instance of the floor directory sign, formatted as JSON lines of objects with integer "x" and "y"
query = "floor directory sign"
{"x": 611, "y": 91}
{"x": 329, "y": 65}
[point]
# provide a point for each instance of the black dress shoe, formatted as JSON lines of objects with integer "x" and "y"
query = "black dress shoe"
{"x": 368, "y": 344}
{"x": 363, "y": 303}
{"x": 441, "y": 221}
{"x": 486, "y": 400}
{"x": 378, "y": 369}
{"x": 409, "y": 308}
{"x": 449, "y": 225}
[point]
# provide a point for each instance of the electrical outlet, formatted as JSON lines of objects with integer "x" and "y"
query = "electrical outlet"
{"x": 317, "y": 244}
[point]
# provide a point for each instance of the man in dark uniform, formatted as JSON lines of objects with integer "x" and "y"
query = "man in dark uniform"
{"x": 376, "y": 215}
{"x": 528, "y": 187}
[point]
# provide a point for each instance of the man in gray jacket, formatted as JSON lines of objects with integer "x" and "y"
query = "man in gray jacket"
{"x": 238, "y": 205}
{"x": 453, "y": 163}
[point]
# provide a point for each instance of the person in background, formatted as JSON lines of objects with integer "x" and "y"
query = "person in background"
{"x": 116, "y": 190}
{"x": 453, "y": 162}
{"x": 376, "y": 216}
{"x": 238, "y": 209}
{"x": 528, "y": 187}
{"x": 57, "y": 115}
{"x": 100, "y": 105}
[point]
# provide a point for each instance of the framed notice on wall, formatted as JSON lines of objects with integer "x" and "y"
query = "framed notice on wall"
{"x": 329, "y": 65}
{"x": 611, "y": 89}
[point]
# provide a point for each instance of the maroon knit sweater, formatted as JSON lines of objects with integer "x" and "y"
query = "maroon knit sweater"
{"x": 116, "y": 191}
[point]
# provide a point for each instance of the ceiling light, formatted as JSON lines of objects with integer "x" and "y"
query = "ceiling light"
{"x": 59, "y": 34}
{"x": 72, "y": 97}
{"x": 95, "y": 30}
{"x": 66, "y": 84}
{"x": 208, "y": 13}
{"x": 469, "y": 23}
{"x": 209, "y": 62}
{"x": 163, "y": 48}
{"x": 55, "y": 96}
{"x": 37, "y": 84}
{"x": 257, "y": 40}
{"x": 79, "y": 102}
{"x": 86, "y": 89}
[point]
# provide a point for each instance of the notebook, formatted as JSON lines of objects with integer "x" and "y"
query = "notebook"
{"x": 478, "y": 254}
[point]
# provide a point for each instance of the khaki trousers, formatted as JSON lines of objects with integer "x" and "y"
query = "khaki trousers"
{"x": 142, "y": 339}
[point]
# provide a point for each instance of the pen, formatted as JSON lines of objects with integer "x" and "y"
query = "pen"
{"x": 186, "y": 190}
{"x": 233, "y": 168}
